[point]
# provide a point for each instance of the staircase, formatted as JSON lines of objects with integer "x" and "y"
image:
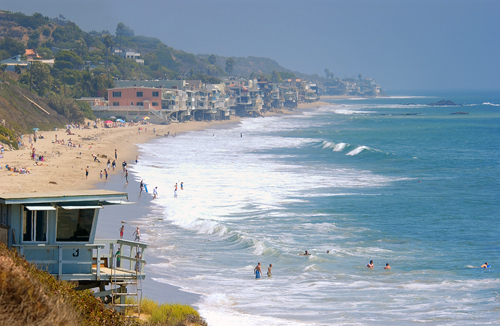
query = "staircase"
{"x": 159, "y": 115}
{"x": 120, "y": 291}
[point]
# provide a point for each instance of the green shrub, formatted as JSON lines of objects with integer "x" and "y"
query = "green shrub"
{"x": 172, "y": 314}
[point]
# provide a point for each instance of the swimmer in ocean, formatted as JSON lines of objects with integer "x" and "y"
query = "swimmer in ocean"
{"x": 370, "y": 265}
{"x": 257, "y": 271}
{"x": 387, "y": 266}
{"x": 305, "y": 254}
{"x": 485, "y": 265}
{"x": 269, "y": 274}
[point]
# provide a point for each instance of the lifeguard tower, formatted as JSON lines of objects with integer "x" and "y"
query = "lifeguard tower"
{"x": 56, "y": 231}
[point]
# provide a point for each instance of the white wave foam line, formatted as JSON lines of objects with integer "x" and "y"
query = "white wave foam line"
{"x": 457, "y": 285}
{"x": 349, "y": 112}
{"x": 357, "y": 150}
{"x": 491, "y": 104}
{"x": 328, "y": 144}
{"x": 339, "y": 147}
{"x": 219, "y": 309}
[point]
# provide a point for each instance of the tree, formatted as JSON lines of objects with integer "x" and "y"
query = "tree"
{"x": 276, "y": 76}
{"x": 212, "y": 59}
{"x": 45, "y": 53}
{"x": 65, "y": 59}
{"x": 10, "y": 47}
{"x": 229, "y": 65}
{"x": 327, "y": 73}
{"x": 39, "y": 76}
{"x": 360, "y": 76}
{"x": 124, "y": 30}
{"x": 108, "y": 42}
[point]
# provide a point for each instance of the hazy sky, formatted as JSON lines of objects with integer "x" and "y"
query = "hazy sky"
{"x": 404, "y": 44}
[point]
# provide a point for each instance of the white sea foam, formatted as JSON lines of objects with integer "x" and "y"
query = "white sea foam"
{"x": 357, "y": 150}
{"x": 491, "y": 104}
{"x": 339, "y": 147}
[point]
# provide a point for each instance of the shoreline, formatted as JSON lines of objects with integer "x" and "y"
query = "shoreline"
{"x": 65, "y": 166}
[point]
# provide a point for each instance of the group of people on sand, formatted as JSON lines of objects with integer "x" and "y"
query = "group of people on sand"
{"x": 258, "y": 270}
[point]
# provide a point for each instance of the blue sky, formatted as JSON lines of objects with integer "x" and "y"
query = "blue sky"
{"x": 404, "y": 45}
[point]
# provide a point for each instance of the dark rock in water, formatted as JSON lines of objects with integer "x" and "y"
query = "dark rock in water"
{"x": 460, "y": 113}
{"x": 444, "y": 103}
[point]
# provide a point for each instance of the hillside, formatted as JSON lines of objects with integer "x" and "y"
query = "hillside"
{"x": 21, "y": 115}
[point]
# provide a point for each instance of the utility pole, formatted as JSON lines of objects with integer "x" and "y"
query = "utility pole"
{"x": 31, "y": 64}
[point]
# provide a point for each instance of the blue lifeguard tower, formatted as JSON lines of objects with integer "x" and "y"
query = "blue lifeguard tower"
{"x": 56, "y": 231}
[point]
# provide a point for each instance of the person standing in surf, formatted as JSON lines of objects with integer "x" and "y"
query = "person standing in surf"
{"x": 269, "y": 274}
{"x": 257, "y": 271}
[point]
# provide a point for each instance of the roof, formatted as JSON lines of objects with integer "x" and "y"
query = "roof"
{"x": 62, "y": 196}
{"x": 30, "y": 52}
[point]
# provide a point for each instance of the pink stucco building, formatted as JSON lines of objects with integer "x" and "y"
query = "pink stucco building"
{"x": 148, "y": 97}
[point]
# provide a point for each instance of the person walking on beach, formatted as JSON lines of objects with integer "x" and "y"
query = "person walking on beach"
{"x": 182, "y": 185}
{"x": 175, "y": 193}
{"x": 269, "y": 274}
{"x": 370, "y": 265}
{"x": 176, "y": 186}
{"x": 109, "y": 162}
{"x": 87, "y": 172}
{"x": 257, "y": 271}
{"x": 113, "y": 165}
{"x": 116, "y": 155}
{"x": 101, "y": 174}
{"x": 126, "y": 176}
{"x": 122, "y": 228}
{"x": 106, "y": 174}
{"x": 124, "y": 165}
{"x": 155, "y": 192}
{"x": 137, "y": 234}
{"x": 141, "y": 185}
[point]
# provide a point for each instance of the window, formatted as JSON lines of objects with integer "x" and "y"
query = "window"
{"x": 139, "y": 94}
{"x": 156, "y": 94}
{"x": 35, "y": 226}
{"x": 116, "y": 103}
{"x": 155, "y": 103}
{"x": 74, "y": 224}
{"x": 140, "y": 104}
{"x": 117, "y": 94}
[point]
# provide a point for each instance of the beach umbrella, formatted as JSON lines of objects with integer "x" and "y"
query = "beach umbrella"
{"x": 146, "y": 118}
{"x": 119, "y": 120}
{"x": 35, "y": 129}
{"x": 108, "y": 121}
{"x": 112, "y": 117}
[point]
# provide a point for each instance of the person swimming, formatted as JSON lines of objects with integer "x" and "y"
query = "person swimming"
{"x": 485, "y": 265}
{"x": 387, "y": 266}
{"x": 370, "y": 265}
{"x": 305, "y": 253}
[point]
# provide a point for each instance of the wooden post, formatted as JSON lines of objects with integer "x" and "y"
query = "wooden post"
{"x": 98, "y": 265}
{"x": 60, "y": 259}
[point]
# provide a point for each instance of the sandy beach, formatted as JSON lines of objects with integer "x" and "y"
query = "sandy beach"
{"x": 63, "y": 167}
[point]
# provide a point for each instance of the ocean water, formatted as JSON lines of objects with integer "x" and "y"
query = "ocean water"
{"x": 389, "y": 179}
